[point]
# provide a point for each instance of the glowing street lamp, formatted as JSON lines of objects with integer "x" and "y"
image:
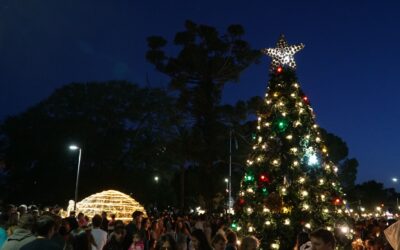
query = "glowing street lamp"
{"x": 156, "y": 178}
{"x": 73, "y": 148}
{"x": 394, "y": 179}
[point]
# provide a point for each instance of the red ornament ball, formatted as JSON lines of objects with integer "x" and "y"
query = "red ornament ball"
{"x": 264, "y": 178}
{"x": 337, "y": 201}
{"x": 279, "y": 69}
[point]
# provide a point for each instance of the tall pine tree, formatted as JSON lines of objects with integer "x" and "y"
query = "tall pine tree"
{"x": 290, "y": 185}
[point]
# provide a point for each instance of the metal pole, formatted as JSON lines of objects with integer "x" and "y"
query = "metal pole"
{"x": 77, "y": 178}
{"x": 230, "y": 171}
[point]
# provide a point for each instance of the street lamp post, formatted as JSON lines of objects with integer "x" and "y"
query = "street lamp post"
{"x": 395, "y": 180}
{"x": 227, "y": 185}
{"x": 74, "y": 147}
{"x": 230, "y": 171}
{"x": 157, "y": 180}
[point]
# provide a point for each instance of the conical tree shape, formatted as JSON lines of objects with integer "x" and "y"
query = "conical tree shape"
{"x": 289, "y": 185}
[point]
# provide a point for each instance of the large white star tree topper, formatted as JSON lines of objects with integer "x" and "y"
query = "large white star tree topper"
{"x": 282, "y": 55}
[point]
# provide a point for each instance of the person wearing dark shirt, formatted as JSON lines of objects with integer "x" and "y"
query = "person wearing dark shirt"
{"x": 45, "y": 227}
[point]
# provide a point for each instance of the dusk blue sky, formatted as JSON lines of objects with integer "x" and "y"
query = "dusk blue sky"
{"x": 348, "y": 69}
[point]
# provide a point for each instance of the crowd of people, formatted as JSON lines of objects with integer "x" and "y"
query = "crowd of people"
{"x": 30, "y": 229}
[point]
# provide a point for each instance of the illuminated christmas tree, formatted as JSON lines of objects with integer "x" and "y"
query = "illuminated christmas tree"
{"x": 289, "y": 184}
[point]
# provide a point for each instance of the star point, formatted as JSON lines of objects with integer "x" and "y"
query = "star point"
{"x": 283, "y": 54}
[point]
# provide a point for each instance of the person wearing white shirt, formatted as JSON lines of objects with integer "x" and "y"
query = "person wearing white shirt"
{"x": 99, "y": 235}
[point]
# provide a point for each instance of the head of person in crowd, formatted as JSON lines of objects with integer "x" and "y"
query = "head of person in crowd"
{"x": 179, "y": 226}
{"x": 219, "y": 242}
{"x": 96, "y": 221}
{"x": 374, "y": 244}
{"x": 119, "y": 231}
{"x": 303, "y": 241}
{"x": 33, "y": 209}
{"x": 13, "y": 219}
{"x": 137, "y": 218}
{"x": 322, "y": 239}
{"x": 3, "y": 220}
{"x": 199, "y": 240}
{"x": 73, "y": 223}
{"x": 45, "y": 226}
{"x": 22, "y": 209}
{"x": 84, "y": 240}
{"x": 65, "y": 228}
{"x": 10, "y": 208}
{"x": 166, "y": 242}
{"x": 231, "y": 237}
{"x": 27, "y": 221}
{"x": 249, "y": 243}
{"x": 146, "y": 224}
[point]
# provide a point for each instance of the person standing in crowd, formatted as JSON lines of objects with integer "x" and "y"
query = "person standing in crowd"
{"x": 82, "y": 222}
{"x": 45, "y": 227}
{"x": 249, "y": 243}
{"x": 146, "y": 228}
{"x": 303, "y": 241}
{"x": 182, "y": 235}
{"x": 3, "y": 231}
{"x": 117, "y": 237}
{"x": 134, "y": 227}
{"x": 166, "y": 242}
{"x": 232, "y": 240}
{"x": 22, "y": 234}
{"x": 57, "y": 237}
{"x": 219, "y": 242}
{"x": 111, "y": 224}
{"x": 99, "y": 235}
{"x": 322, "y": 239}
{"x": 104, "y": 222}
{"x": 199, "y": 241}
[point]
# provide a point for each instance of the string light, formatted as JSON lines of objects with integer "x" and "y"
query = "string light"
{"x": 275, "y": 246}
{"x": 250, "y": 190}
{"x": 304, "y": 193}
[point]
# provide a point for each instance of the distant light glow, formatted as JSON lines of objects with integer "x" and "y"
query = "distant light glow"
{"x": 73, "y": 147}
